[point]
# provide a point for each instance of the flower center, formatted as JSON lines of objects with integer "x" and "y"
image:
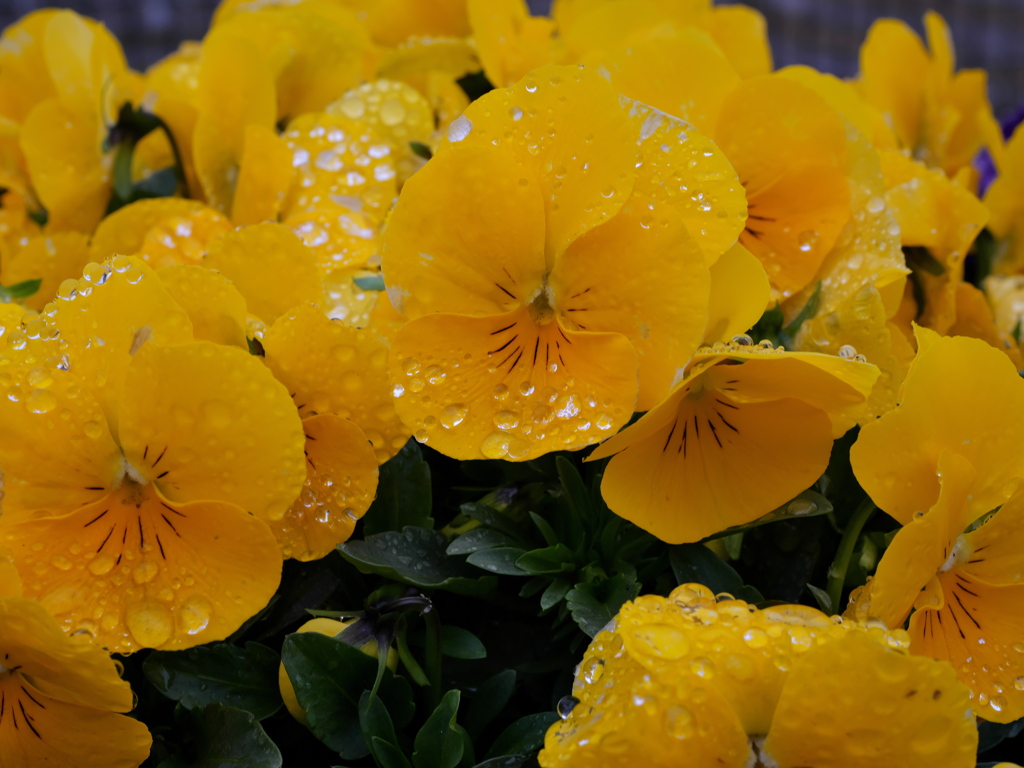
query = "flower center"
{"x": 542, "y": 305}
{"x": 759, "y": 757}
{"x": 961, "y": 551}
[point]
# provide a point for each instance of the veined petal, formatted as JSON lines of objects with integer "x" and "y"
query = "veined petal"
{"x": 160, "y": 231}
{"x": 265, "y": 174}
{"x": 798, "y": 195}
{"x": 565, "y": 130}
{"x": 104, "y": 316}
{"x": 467, "y": 235}
{"x": 332, "y": 367}
{"x": 997, "y": 547}
{"x": 52, "y": 258}
{"x": 56, "y": 451}
{"x": 505, "y": 387}
{"x": 341, "y": 481}
{"x": 41, "y": 731}
{"x": 215, "y": 308}
{"x": 960, "y": 395}
{"x": 854, "y": 688}
{"x": 136, "y": 571}
{"x": 974, "y": 611}
{"x": 54, "y": 664}
{"x": 656, "y": 297}
{"x": 207, "y": 422}
{"x": 923, "y": 545}
{"x": 269, "y": 266}
{"x": 739, "y": 295}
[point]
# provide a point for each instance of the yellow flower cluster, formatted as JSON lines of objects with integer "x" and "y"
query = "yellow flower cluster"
{"x": 210, "y": 374}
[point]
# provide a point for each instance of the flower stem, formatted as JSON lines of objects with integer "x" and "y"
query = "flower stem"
{"x": 837, "y": 571}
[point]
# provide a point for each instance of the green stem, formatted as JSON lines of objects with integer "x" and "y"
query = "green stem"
{"x": 433, "y": 656}
{"x": 409, "y": 661}
{"x": 837, "y": 571}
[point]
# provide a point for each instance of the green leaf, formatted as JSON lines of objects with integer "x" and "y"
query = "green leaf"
{"x": 993, "y": 734}
{"x": 420, "y": 149}
{"x": 499, "y": 560}
{"x": 256, "y": 347}
{"x": 403, "y": 493}
{"x": 439, "y": 742}
{"x": 573, "y": 487}
{"x": 524, "y": 736}
{"x": 595, "y": 604}
{"x": 490, "y": 700}
{"x": 415, "y": 556}
{"x": 822, "y": 598}
{"x": 696, "y": 564}
{"x": 477, "y": 539}
{"x": 505, "y": 761}
{"x": 806, "y": 504}
{"x": 379, "y": 733}
{"x": 805, "y": 314}
{"x": 555, "y": 593}
{"x": 370, "y": 282}
{"x": 330, "y": 677}
{"x": 22, "y": 290}
{"x": 459, "y": 643}
{"x": 221, "y": 737}
{"x": 556, "y": 559}
{"x": 162, "y": 183}
{"x": 240, "y": 677}
{"x": 40, "y": 217}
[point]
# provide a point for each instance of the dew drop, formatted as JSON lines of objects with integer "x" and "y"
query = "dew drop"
{"x": 101, "y": 565}
{"x": 459, "y": 129}
{"x": 40, "y": 401}
{"x": 194, "y": 614}
{"x": 144, "y": 572}
{"x": 566, "y": 705}
{"x": 453, "y": 415}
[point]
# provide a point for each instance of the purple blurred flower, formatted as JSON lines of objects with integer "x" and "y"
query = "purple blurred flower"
{"x": 983, "y": 161}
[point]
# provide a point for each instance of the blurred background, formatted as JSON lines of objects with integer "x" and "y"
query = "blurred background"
{"x": 822, "y": 33}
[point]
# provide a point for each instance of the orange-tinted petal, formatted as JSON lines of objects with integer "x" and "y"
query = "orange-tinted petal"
{"x": 996, "y": 548}
{"x": 161, "y": 231}
{"x": 215, "y": 308}
{"x": 341, "y": 481}
{"x": 206, "y": 422}
{"x": 467, "y": 235}
{"x": 974, "y": 611}
{"x": 661, "y": 308}
{"x": 505, "y": 387}
{"x": 853, "y": 689}
{"x": 960, "y": 395}
{"x": 264, "y": 176}
{"x": 51, "y": 258}
{"x": 566, "y": 131}
{"x": 270, "y": 266}
{"x": 974, "y": 318}
{"x": 798, "y": 194}
{"x": 136, "y": 571}
{"x": 331, "y": 367}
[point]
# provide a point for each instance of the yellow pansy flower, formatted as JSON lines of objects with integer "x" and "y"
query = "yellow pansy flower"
{"x": 61, "y": 698}
{"x": 510, "y": 41}
{"x": 51, "y": 258}
{"x": 688, "y": 680}
{"x": 62, "y": 79}
{"x": 162, "y": 232}
{"x": 939, "y": 116}
{"x": 526, "y": 324}
{"x": 673, "y": 471}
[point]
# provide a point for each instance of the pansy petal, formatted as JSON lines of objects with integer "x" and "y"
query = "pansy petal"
{"x": 960, "y": 395}
{"x": 505, "y": 387}
{"x": 921, "y": 547}
{"x": 591, "y": 153}
{"x": 265, "y": 174}
{"x": 60, "y": 735}
{"x": 137, "y": 571}
{"x": 206, "y": 422}
{"x": 974, "y": 611}
{"x": 433, "y": 262}
{"x": 339, "y": 238}
{"x": 680, "y": 483}
{"x": 398, "y": 113}
{"x": 683, "y": 170}
{"x": 331, "y": 367}
{"x": 661, "y": 308}
{"x": 270, "y": 266}
{"x": 742, "y": 34}
{"x": 56, "y": 451}
{"x": 341, "y": 481}
{"x": 10, "y": 580}
{"x": 215, "y": 308}
{"x": 106, "y": 314}
{"x": 739, "y": 295}
{"x": 997, "y": 547}
{"x": 798, "y": 194}
{"x": 893, "y": 65}
{"x": 340, "y": 160}
{"x": 160, "y": 231}
{"x": 974, "y": 318}
{"x": 52, "y": 258}
{"x": 853, "y": 712}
